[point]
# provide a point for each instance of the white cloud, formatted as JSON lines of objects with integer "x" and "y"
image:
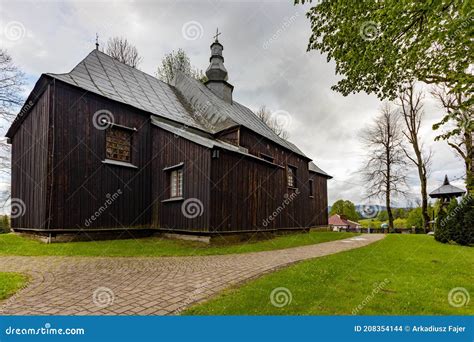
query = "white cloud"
{"x": 279, "y": 74}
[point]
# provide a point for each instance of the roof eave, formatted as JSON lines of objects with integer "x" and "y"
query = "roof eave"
{"x": 38, "y": 90}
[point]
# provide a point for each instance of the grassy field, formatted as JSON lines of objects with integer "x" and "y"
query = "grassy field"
{"x": 11, "y": 244}
{"x": 400, "y": 275}
{"x": 10, "y": 283}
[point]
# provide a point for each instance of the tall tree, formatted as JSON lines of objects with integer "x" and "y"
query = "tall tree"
{"x": 345, "y": 208}
{"x": 271, "y": 121}
{"x": 123, "y": 51}
{"x": 385, "y": 167}
{"x": 380, "y": 46}
{"x": 411, "y": 106}
{"x": 459, "y": 125}
{"x": 178, "y": 60}
{"x": 11, "y": 88}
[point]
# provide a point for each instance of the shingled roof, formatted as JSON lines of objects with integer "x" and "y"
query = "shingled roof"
{"x": 104, "y": 75}
{"x": 314, "y": 168}
{"x": 447, "y": 190}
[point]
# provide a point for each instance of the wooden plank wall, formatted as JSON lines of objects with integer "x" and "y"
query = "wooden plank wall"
{"x": 29, "y": 166}
{"x": 82, "y": 183}
{"x": 319, "y": 204}
{"x": 170, "y": 150}
{"x": 244, "y": 193}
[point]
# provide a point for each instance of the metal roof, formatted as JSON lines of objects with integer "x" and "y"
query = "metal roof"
{"x": 203, "y": 139}
{"x": 313, "y": 168}
{"x": 104, "y": 75}
{"x": 447, "y": 190}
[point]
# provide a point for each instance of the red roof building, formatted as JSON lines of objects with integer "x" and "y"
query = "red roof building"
{"x": 341, "y": 223}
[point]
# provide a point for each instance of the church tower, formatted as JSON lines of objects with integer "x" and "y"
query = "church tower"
{"x": 217, "y": 74}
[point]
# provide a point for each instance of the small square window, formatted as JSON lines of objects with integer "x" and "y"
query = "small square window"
{"x": 291, "y": 174}
{"x": 118, "y": 144}
{"x": 176, "y": 183}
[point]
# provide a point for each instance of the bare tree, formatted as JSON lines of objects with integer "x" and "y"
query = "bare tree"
{"x": 385, "y": 165}
{"x": 460, "y": 135}
{"x": 11, "y": 89}
{"x": 11, "y": 83}
{"x": 411, "y": 106}
{"x": 123, "y": 51}
{"x": 266, "y": 116}
{"x": 174, "y": 61}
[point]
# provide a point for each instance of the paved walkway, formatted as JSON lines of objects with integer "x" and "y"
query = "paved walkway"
{"x": 144, "y": 286}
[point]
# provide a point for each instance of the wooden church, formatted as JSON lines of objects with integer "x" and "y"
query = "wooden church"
{"x": 107, "y": 148}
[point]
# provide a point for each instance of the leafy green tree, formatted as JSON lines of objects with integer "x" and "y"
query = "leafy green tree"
{"x": 177, "y": 60}
{"x": 381, "y": 46}
{"x": 345, "y": 208}
{"x": 383, "y": 216}
{"x": 400, "y": 223}
{"x": 415, "y": 218}
{"x": 400, "y": 213}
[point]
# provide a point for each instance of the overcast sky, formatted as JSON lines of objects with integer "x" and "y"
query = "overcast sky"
{"x": 265, "y": 54}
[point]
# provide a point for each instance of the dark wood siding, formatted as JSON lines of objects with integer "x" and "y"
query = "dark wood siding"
{"x": 83, "y": 185}
{"x": 75, "y": 188}
{"x": 170, "y": 150}
{"x": 319, "y": 203}
{"x": 29, "y": 182}
{"x": 247, "y": 194}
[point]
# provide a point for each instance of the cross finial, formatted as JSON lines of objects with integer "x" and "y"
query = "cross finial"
{"x": 217, "y": 34}
{"x": 97, "y": 41}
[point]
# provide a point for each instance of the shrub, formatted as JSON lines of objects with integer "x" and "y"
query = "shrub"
{"x": 441, "y": 231}
{"x": 4, "y": 224}
{"x": 400, "y": 223}
{"x": 456, "y": 223}
{"x": 465, "y": 234}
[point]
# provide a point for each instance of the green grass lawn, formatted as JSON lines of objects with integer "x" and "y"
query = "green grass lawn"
{"x": 400, "y": 275}
{"x": 10, "y": 283}
{"x": 11, "y": 244}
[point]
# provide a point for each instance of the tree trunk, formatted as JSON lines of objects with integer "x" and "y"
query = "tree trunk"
{"x": 424, "y": 204}
{"x": 389, "y": 212}
{"x": 469, "y": 161}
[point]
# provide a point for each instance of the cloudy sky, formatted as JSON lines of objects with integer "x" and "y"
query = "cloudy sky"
{"x": 265, "y": 55}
